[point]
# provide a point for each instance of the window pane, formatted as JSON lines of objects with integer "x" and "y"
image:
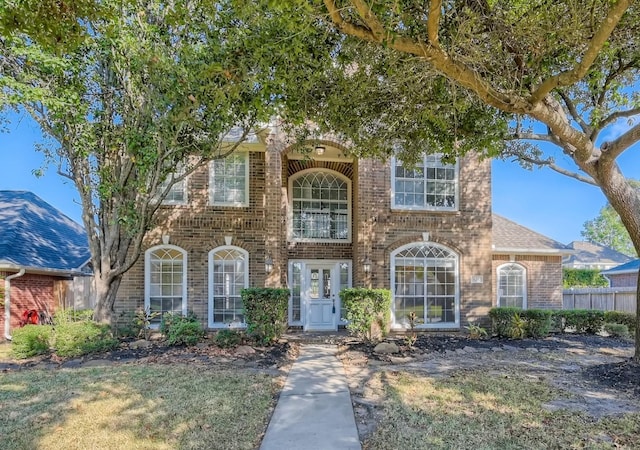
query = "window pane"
{"x": 229, "y": 278}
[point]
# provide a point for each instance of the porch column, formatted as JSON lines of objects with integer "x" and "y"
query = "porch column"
{"x": 274, "y": 220}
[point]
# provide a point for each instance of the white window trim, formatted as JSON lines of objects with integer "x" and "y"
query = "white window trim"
{"x": 169, "y": 202}
{"x": 399, "y": 326}
{"x": 147, "y": 276}
{"x": 304, "y": 263}
{"x": 456, "y": 180}
{"x": 245, "y": 253}
{"x": 290, "y": 209}
{"x": 242, "y": 204}
{"x": 524, "y": 283}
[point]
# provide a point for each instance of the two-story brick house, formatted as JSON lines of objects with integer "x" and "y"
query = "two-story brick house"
{"x": 317, "y": 223}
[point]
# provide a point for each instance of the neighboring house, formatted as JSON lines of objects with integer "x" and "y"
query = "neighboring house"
{"x": 320, "y": 222}
{"x": 527, "y": 266}
{"x": 40, "y": 249}
{"x": 624, "y": 275}
{"x": 587, "y": 255}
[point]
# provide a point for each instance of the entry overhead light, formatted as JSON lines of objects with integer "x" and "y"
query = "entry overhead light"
{"x": 320, "y": 149}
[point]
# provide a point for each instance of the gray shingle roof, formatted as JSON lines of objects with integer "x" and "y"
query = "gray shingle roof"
{"x": 589, "y": 253}
{"x": 509, "y": 236}
{"x": 34, "y": 234}
{"x": 630, "y": 267}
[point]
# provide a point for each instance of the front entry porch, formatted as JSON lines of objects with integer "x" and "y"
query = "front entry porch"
{"x": 315, "y": 287}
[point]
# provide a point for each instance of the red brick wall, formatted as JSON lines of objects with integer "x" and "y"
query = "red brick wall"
{"x": 544, "y": 279}
{"x": 40, "y": 292}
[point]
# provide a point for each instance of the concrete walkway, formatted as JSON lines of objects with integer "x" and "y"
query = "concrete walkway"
{"x": 314, "y": 410}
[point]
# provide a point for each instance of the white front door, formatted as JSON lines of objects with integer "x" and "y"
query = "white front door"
{"x": 321, "y": 297}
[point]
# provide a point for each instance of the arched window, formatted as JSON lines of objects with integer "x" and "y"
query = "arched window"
{"x": 228, "y": 275}
{"x": 512, "y": 289}
{"x": 165, "y": 281}
{"x": 424, "y": 277}
{"x": 321, "y": 206}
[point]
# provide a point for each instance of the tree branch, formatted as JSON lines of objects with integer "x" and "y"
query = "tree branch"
{"x": 433, "y": 22}
{"x": 612, "y": 118}
{"x": 574, "y": 112}
{"x": 553, "y": 166}
{"x": 595, "y": 46}
{"x": 518, "y": 135}
{"x": 611, "y": 150}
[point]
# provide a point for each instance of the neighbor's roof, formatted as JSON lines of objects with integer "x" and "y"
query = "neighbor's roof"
{"x": 589, "y": 253}
{"x": 510, "y": 237}
{"x": 630, "y": 267}
{"x": 35, "y": 235}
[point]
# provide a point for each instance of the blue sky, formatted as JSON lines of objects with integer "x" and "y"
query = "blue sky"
{"x": 547, "y": 202}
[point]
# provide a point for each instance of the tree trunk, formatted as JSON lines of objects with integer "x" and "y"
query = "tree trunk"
{"x": 106, "y": 289}
{"x": 636, "y": 354}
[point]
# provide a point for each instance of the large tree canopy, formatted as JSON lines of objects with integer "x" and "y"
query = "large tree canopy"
{"x": 140, "y": 87}
{"x": 607, "y": 229}
{"x": 549, "y": 83}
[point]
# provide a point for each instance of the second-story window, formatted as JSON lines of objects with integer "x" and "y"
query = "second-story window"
{"x": 320, "y": 207}
{"x": 229, "y": 180}
{"x": 429, "y": 185}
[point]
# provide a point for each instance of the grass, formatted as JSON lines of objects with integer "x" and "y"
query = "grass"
{"x": 5, "y": 351}
{"x": 131, "y": 406}
{"x": 473, "y": 410}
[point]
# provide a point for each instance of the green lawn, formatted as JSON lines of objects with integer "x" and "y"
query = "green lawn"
{"x": 473, "y": 410}
{"x": 134, "y": 407}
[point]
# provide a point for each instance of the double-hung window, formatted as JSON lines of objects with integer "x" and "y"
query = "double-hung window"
{"x": 229, "y": 180}
{"x": 429, "y": 185}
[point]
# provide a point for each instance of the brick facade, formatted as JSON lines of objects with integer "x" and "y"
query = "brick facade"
{"x": 30, "y": 291}
{"x": 377, "y": 231}
{"x": 544, "y": 279}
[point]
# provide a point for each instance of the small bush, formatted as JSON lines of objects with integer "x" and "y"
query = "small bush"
{"x": 81, "y": 338}
{"x": 539, "y": 322}
{"x": 62, "y": 316}
{"x": 31, "y": 340}
{"x": 616, "y": 330}
{"x": 265, "y": 311}
{"x": 126, "y": 325}
{"x": 624, "y": 318}
{"x": 518, "y": 329}
{"x": 366, "y": 308}
{"x": 181, "y": 330}
{"x": 476, "y": 331}
{"x": 227, "y": 338}
{"x": 501, "y": 320}
{"x": 582, "y": 320}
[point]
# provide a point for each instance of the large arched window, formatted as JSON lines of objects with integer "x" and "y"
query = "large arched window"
{"x": 321, "y": 206}
{"x": 512, "y": 289}
{"x": 424, "y": 277}
{"x": 165, "y": 281}
{"x": 228, "y": 275}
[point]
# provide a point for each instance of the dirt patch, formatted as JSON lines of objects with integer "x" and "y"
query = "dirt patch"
{"x": 595, "y": 372}
{"x": 274, "y": 358}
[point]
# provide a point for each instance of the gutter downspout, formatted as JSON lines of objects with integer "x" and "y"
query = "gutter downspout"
{"x": 7, "y": 302}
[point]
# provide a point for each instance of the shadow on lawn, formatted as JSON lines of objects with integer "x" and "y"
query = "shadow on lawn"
{"x": 134, "y": 406}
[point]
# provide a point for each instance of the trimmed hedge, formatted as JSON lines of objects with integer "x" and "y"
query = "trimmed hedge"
{"x": 623, "y": 318}
{"x": 181, "y": 330}
{"x": 537, "y": 322}
{"x": 265, "y": 311}
{"x": 581, "y": 320}
{"x": 80, "y": 338}
{"x": 31, "y": 340}
{"x": 367, "y": 308}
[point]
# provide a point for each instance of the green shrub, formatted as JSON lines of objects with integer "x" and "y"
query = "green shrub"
{"x": 501, "y": 320}
{"x": 624, "y": 318}
{"x": 227, "y": 338}
{"x": 62, "y": 316}
{"x": 583, "y": 278}
{"x": 181, "y": 330}
{"x": 81, "y": 338}
{"x": 616, "y": 330}
{"x": 265, "y": 312}
{"x": 519, "y": 323}
{"x": 582, "y": 320}
{"x": 366, "y": 309}
{"x": 126, "y": 325}
{"x": 31, "y": 340}
{"x": 539, "y": 322}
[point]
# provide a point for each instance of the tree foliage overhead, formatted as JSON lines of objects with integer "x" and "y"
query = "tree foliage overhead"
{"x": 607, "y": 229}
{"x": 139, "y": 87}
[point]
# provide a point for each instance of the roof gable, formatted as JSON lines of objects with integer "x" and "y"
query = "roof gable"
{"x": 509, "y": 236}
{"x": 629, "y": 267}
{"x": 34, "y": 234}
{"x": 588, "y": 252}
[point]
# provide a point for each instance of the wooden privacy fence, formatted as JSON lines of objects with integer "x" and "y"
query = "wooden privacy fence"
{"x": 80, "y": 294}
{"x": 605, "y": 299}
